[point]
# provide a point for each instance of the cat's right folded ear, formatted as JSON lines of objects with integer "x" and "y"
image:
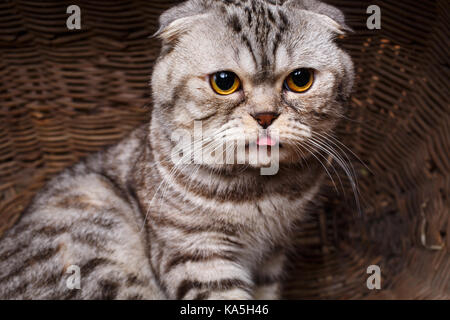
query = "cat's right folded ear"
{"x": 178, "y": 20}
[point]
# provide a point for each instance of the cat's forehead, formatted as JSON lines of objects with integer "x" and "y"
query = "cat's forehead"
{"x": 263, "y": 35}
{"x": 258, "y": 25}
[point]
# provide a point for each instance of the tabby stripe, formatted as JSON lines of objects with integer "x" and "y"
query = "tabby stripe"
{"x": 234, "y": 243}
{"x": 109, "y": 289}
{"x": 134, "y": 280}
{"x": 247, "y": 43}
{"x": 135, "y": 296}
{"x": 155, "y": 273}
{"x": 50, "y": 231}
{"x": 159, "y": 257}
{"x": 223, "y": 285}
{"x": 225, "y": 229}
{"x": 76, "y": 201}
{"x": 91, "y": 265}
{"x": 11, "y": 253}
{"x": 182, "y": 259}
{"x": 276, "y": 44}
{"x": 86, "y": 270}
{"x": 234, "y": 195}
{"x": 235, "y": 24}
{"x": 45, "y": 254}
{"x": 21, "y": 228}
{"x": 56, "y": 231}
{"x": 14, "y": 292}
{"x": 68, "y": 295}
{"x": 92, "y": 239}
{"x": 114, "y": 186}
{"x": 44, "y": 231}
{"x": 202, "y": 295}
{"x": 148, "y": 231}
{"x": 49, "y": 279}
{"x": 271, "y": 17}
{"x": 198, "y": 188}
{"x": 99, "y": 222}
{"x": 284, "y": 19}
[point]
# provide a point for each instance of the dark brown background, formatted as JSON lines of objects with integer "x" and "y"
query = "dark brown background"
{"x": 64, "y": 94}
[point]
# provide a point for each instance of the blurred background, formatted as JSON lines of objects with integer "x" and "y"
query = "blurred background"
{"x": 67, "y": 93}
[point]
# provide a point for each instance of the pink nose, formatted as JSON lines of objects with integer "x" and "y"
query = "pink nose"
{"x": 265, "y": 119}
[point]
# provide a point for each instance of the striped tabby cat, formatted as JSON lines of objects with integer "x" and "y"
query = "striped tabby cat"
{"x": 141, "y": 226}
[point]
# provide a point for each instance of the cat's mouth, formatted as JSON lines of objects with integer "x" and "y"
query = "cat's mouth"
{"x": 265, "y": 141}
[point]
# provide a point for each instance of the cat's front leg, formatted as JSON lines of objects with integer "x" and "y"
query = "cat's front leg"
{"x": 206, "y": 275}
{"x": 268, "y": 277}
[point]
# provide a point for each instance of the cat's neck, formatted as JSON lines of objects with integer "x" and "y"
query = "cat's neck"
{"x": 260, "y": 205}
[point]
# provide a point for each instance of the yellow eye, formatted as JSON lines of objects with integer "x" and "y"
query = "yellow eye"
{"x": 300, "y": 80}
{"x": 225, "y": 82}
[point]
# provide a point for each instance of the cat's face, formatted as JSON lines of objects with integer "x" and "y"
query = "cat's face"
{"x": 252, "y": 71}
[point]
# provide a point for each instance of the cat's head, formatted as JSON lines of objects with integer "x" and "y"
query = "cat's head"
{"x": 249, "y": 69}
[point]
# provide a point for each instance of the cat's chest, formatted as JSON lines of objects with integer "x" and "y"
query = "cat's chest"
{"x": 266, "y": 219}
{"x": 254, "y": 211}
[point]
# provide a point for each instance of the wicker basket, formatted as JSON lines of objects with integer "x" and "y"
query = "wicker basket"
{"x": 64, "y": 94}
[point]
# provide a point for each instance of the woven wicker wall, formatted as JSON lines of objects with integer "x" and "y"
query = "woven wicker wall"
{"x": 64, "y": 94}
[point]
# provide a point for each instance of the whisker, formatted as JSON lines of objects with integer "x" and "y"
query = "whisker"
{"x": 348, "y": 149}
{"x": 348, "y": 169}
{"x": 326, "y": 170}
{"x": 319, "y": 148}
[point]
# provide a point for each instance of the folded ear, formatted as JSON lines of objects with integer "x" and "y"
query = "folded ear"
{"x": 177, "y": 20}
{"x": 329, "y": 15}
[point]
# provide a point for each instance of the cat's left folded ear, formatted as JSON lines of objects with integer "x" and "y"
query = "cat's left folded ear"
{"x": 339, "y": 28}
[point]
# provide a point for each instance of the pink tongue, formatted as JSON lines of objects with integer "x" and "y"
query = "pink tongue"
{"x": 265, "y": 141}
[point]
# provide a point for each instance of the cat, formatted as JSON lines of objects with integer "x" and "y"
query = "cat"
{"x": 141, "y": 226}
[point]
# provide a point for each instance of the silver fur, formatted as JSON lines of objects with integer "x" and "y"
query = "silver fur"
{"x": 140, "y": 227}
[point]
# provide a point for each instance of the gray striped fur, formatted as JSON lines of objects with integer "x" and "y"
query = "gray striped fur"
{"x": 139, "y": 232}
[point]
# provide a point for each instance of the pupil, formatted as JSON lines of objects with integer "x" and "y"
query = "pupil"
{"x": 301, "y": 77}
{"x": 224, "y": 80}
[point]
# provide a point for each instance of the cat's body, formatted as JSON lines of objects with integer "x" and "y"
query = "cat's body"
{"x": 138, "y": 225}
